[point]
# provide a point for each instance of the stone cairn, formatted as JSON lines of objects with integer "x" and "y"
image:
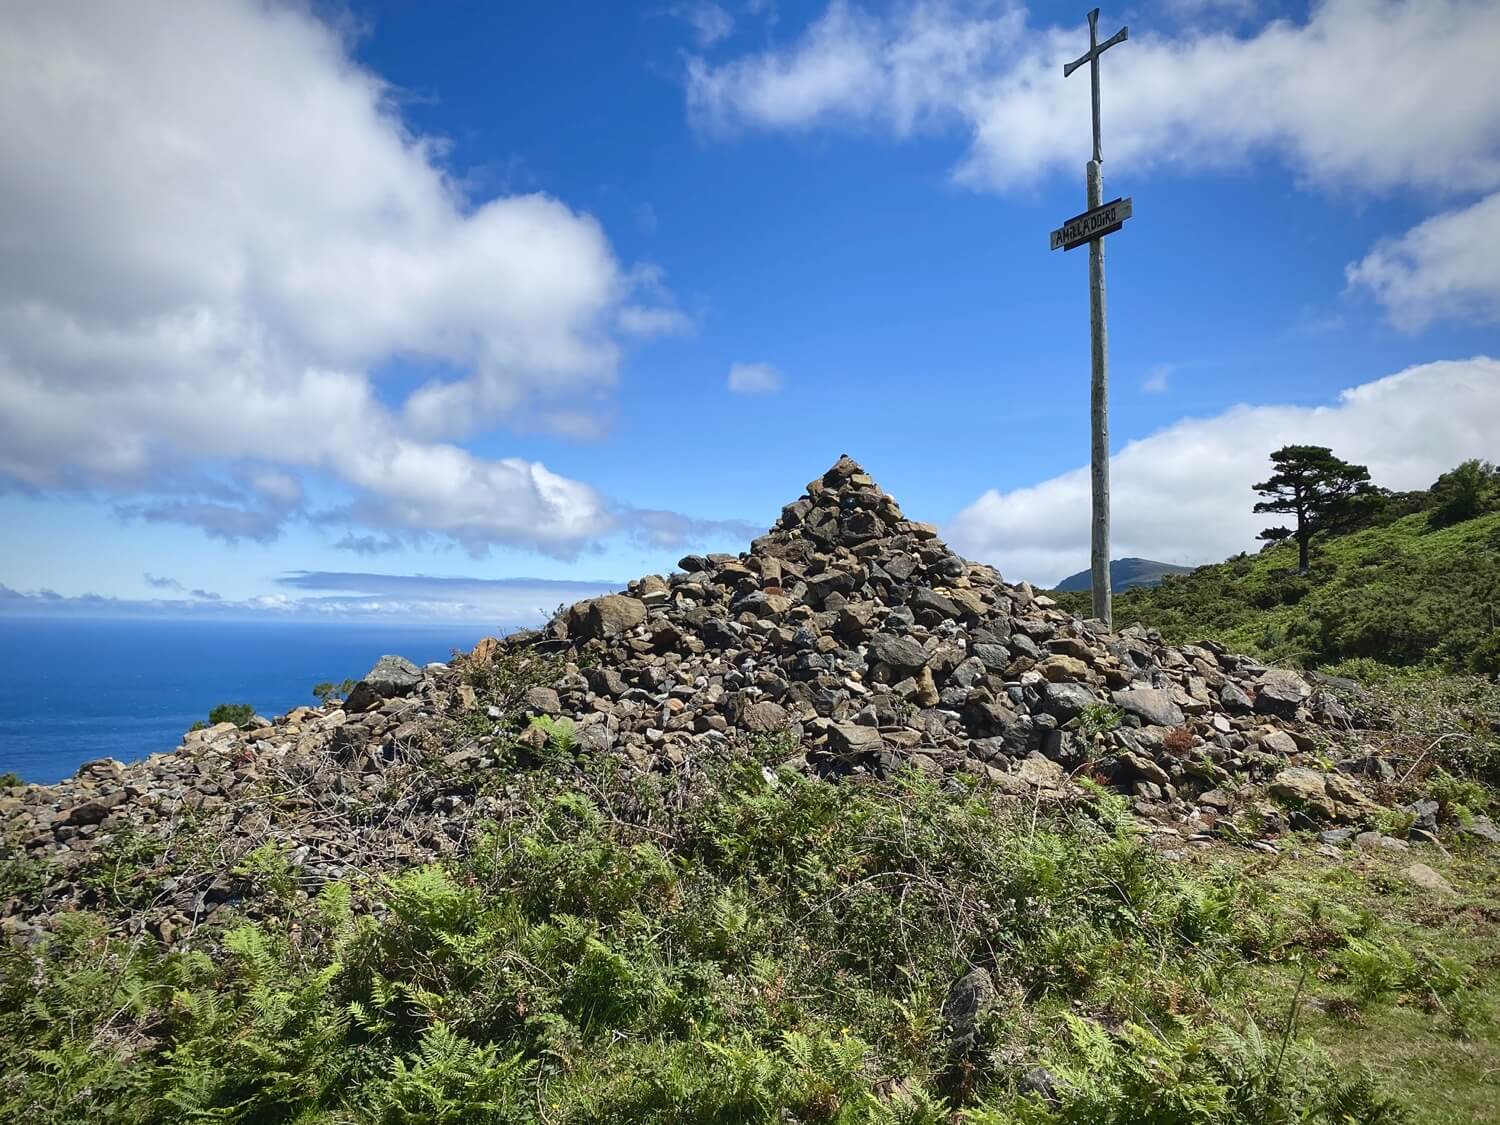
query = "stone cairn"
{"x": 849, "y": 631}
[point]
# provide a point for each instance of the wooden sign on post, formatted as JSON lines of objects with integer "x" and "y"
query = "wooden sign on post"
{"x": 1091, "y": 225}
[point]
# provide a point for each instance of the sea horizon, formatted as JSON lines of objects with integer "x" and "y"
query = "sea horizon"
{"x": 76, "y": 689}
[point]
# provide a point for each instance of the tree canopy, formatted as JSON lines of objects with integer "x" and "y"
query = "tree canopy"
{"x": 1322, "y": 491}
{"x": 1470, "y": 490}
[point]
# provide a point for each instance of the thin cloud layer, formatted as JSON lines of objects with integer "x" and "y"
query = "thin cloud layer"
{"x": 1184, "y": 494}
{"x": 217, "y": 227}
{"x": 754, "y": 379}
{"x": 333, "y": 595}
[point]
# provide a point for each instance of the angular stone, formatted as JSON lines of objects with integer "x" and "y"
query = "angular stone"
{"x": 1144, "y": 768}
{"x": 653, "y": 590}
{"x": 543, "y": 700}
{"x": 901, "y": 653}
{"x": 1066, "y": 700}
{"x": 1152, "y": 706}
{"x": 1042, "y": 772}
{"x": 607, "y": 616}
{"x": 392, "y": 676}
{"x": 606, "y": 682}
{"x": 1278, "y": 742}
{"x": 1063, "y": 669}
{"x": 850, "y": 740}
{"x": 994, "y": 657}
{"x": 1480, "y": 828}
{"x": 1280, "y": 692}
{"x": 1297, "y": 783}
{"x": 932, "y": 607}
{"x": 1234, "y": 700}
{"x": 764, "y": 717}
{"x": 1420, "y": 875}
{"x": 95, "y": 810}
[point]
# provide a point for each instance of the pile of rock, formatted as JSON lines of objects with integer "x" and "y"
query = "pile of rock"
{"x": 849, "y": 632}
{"x": 861, "y": 635}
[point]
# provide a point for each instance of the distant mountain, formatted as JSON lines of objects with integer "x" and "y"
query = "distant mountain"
{"x": 1125, "y": 574}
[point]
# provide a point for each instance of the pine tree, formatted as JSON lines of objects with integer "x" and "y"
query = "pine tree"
{"x": 1322, "y": 491}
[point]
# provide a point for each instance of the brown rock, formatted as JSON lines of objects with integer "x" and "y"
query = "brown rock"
{"x": 1063, "y": 669}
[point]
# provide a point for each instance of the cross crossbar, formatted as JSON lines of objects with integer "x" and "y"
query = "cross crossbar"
{"x": 1091, "y": 56}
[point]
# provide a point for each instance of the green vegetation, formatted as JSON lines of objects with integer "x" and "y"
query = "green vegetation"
{"x": 1401, "y": 594}
{"x": 638, "y": 949}
{"x": 237, "y": 713}
{"x": 1417, "y": 584}
{"x": 328, "y": 692}
{"x": 1469, "y": 491}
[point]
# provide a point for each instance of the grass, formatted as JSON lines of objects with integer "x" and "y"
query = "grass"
{"x": 1401, "y": 593}
{"x": 1401, "y": 983}
{"x": 622, "y": 948}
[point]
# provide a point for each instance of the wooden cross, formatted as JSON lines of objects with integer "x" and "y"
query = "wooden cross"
{"x": 1098, "y": 336}
{"x": 1091, "y": 56}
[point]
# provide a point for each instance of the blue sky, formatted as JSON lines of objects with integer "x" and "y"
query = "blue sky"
{"x": 298, "y": 295}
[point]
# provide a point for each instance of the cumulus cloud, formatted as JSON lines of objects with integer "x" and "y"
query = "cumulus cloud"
{"x": 217, "y": 226}
{"x": 1183, "y": 495}
{"x": 754, "y": 379}
{"x": 1444, "y": 267}
{"x": 1347, "y": 97}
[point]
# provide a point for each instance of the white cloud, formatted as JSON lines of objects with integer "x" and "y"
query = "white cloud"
{"x": 1158, "y": 378}
{"x": 709, "y": 21}
{"x": 1365, "y": 95}
{"x": 1183, "y": 495}
{"x": 754, "y": 379}
{"x": 216, "y": 227}
{"x": 1444, "y": 267}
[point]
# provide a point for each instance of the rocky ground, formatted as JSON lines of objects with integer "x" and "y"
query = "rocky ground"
{"x": 848, "y": 635}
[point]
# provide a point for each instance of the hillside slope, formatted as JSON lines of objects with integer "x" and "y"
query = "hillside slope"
{"x": 1401, "y": 594}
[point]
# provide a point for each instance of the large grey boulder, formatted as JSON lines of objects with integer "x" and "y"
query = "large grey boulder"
{"x": 391, "y": 676}
{"x": 1280, "y": 692}
{"x": 850, "y": 740}
{"x": 1152, "y": 706}
{"x": 1065, "y": 700}
{"x": 901, "y": 653}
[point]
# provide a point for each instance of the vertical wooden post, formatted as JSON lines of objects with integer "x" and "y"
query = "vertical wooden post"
{"x": 1099, "y": 410}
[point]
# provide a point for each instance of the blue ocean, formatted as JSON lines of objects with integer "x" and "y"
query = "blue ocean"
{"x": 72, "y": 690}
